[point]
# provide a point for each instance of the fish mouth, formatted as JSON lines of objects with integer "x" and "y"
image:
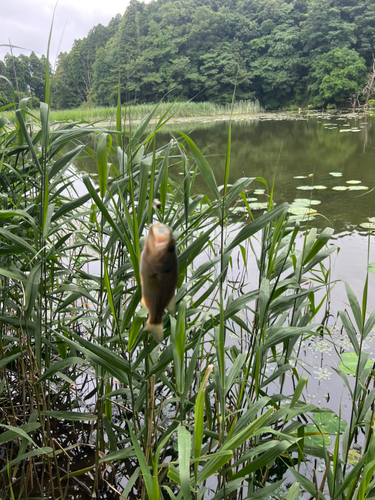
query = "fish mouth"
{"x": 161, "y": 232}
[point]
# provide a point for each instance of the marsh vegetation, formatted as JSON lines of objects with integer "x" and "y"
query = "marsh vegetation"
{"x": 90, "y": 403}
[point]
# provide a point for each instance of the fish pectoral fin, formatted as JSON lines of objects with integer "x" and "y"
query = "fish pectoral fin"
{"x": 156, "y": 331}
{"x": 171, "y": 307}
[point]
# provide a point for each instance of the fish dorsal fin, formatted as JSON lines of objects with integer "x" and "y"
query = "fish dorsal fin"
{"x": 171, "y": 307}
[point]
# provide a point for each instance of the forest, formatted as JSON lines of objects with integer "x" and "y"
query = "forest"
{"x": 316, "y": 53}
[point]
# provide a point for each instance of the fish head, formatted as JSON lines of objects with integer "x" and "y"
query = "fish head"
{"x": 159, "y": 242}
{"x": 161, "y": 233}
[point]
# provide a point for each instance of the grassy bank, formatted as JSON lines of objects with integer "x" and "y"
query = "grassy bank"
{"x": 138, "y": 111}
{"x": 91, "y": 403}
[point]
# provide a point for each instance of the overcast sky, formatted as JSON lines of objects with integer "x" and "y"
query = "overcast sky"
{"x": 27, "y": 23}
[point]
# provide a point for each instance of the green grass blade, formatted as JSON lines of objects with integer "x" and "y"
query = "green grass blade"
{"x": 102, "y": 162}
{"x": 204, "y": 167}
{"x": 147, "y": 477}
{"x": 184, "y": 450}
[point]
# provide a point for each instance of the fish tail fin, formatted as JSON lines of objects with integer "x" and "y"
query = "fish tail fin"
{"x": 156, "y": 331}
{"x": 171, "y": 307}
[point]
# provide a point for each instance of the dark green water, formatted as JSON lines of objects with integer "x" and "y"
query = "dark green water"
{"x": 283, "y": 149}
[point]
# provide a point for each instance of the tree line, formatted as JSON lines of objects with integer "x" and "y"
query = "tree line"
{"x": 281, "y": 52}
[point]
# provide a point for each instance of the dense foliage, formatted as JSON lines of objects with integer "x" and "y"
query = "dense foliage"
{"x": 280, "y": 52}
{"x": 30, "y": 71}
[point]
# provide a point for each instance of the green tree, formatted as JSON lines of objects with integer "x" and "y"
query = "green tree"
{"x": 336, "y": 76}
{"x": 325, "y": 29}
{"x": 5, "y": 92}
{"x": 278, "y": 51}
{"x": 37, "y": 68}
{"x": 63, "y": 93}
{"x": 73, "y": 80}
{"x": 275, "y": 56}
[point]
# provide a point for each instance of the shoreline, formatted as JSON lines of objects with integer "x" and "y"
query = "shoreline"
{"x": 195, "y": 119}
{"x": 302, "y": 114}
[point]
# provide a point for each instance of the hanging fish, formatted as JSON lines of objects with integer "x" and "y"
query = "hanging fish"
{"x": 159, "y": 274}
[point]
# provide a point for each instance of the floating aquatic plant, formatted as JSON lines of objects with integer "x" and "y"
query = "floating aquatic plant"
{"x": 258, "y": 205}
{"x": 322, "y": 374}
{"x": 358, "y": 188}
{"x": 301, "y": 218}
{"x": 300, "y": 210}
{"x": 353, "y": 182}
{"x": 368, "y": 225}
{"x": 316, "y": 437}
{"x": 329, "y": 422}
{"x": 305, "y": 202}
{"x": 336, "y": 174}
{"x": 349, "y": 361}
{"x": 340, "y": 188}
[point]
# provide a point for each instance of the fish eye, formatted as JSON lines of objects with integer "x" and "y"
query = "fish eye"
{"x": 171, "y": 248}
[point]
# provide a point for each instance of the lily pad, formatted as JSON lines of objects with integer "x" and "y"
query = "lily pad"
{"x": 300, "y": 177}
{"x": 301, "y": 218}
{"x": 306, "y": 188}
{"x": 316, "y": 438}
{"x": 368, "y": 225}
{"x": 252, "y": 199}
{"x": 301, "y": 202}
{"x": 336, "y": 174}
{"x": 371, "y": 267}
{"x": 320, "y": 187}
{"x": 329, "y": 422}
{"x": 358, "y": 188}
{"x": 353, "y": 182}
{"x": 258, "y": 206}
{"x": 259, "y": 191}
{"x": 238, "y": 210}
{"x": 305, "y": 202}
{"x": 296, "y": 210}
{"x": 349, "y": 361}
{"x": 340, "y": 188}
{"x": 371, "y": 219}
